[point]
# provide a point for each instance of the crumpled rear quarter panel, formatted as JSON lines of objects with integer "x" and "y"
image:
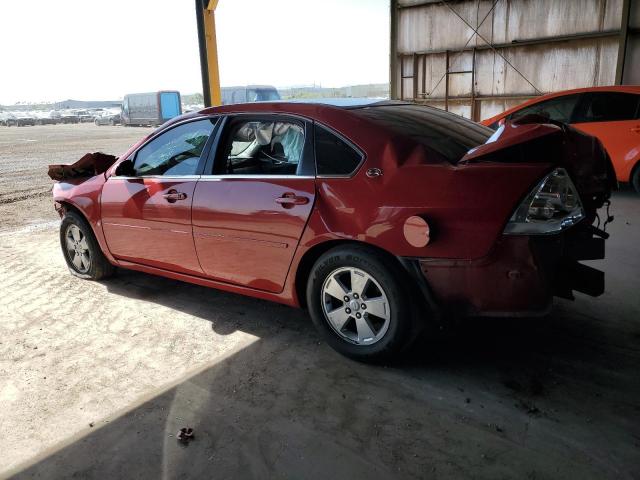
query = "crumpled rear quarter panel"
{"x": 466, "y": 206}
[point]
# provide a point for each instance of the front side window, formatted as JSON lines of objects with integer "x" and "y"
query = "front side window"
{"x": 175, "y": 152}
{"x": 334, "y": 156}
{"x": 262, "y": 147}
{"x": 559, "y": 109}
{"x": 610, "y": 107}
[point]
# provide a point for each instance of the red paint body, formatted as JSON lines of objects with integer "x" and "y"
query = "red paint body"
{"x": 234, "y": 233}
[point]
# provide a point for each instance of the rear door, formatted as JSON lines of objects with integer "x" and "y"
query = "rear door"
{"x": 252, "y": 204}
{"x": 146, "y": 217}
{"x": 613, "y": 117}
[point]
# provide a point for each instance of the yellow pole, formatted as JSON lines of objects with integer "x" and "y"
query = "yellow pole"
{"x": 212, "y": 52}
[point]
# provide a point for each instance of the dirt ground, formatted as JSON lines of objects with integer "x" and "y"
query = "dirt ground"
{"x": 96, "y": 379}
{"x": 25, "y": 153}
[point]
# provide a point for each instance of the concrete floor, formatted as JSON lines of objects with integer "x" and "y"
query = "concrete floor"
{"x": 96, "y": 379}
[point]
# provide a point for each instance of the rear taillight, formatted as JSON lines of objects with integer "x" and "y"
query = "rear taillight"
{"x": 552, "y": 206}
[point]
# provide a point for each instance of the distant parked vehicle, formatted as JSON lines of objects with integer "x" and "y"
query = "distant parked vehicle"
{"x": 153, "y": 108}
{"x": 84, "y": 116}
{"x": 24, "y": 119}
{"x": 248, "y": 94}
{"x": 610, "y": 113}
{"x": 108, "y": 119}
{"x": 48, "y": 118}
{"x": 7, "y": 119}
{"x": 69, "y": 117}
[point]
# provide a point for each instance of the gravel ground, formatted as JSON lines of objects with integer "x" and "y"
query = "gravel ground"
{"x": 97, "y": 378}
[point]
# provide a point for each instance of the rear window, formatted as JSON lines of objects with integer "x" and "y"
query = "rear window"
{"x": 448, "y": 135}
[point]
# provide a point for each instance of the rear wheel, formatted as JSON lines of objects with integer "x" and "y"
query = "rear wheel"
{"x": 81, "y": 250}
{"x": 357, "y": 303}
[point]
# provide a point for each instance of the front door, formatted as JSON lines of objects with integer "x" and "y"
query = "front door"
{"x": 249, "y": 212}
{"x": 146, "y": 216}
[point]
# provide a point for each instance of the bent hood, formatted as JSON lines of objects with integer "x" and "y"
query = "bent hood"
{"x": 89, "y": 165}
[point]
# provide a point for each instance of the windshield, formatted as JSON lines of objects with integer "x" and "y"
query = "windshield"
{"x": 451, "y": 136}
{"x": 262, "y": 95}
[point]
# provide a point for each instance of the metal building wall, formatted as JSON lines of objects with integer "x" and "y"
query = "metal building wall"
{"x": 522, "y": 48}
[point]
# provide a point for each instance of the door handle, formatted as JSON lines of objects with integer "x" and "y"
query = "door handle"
{"x": 288, "y": 200}
{"x": 636, "y": 129}
{"x": 173, "y": 195}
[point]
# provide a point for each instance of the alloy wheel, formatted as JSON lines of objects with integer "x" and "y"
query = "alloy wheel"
{"x": 78, "y": 249}
{"x": 356, "y": 306}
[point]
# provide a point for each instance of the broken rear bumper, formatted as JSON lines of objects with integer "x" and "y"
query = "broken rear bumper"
{"x": 519, "y": 277}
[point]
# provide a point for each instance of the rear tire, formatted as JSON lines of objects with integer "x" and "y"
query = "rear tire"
{"x": 635, "y": 178}
{"x": 81, "y": 250}
{"x": 358, "y": 304}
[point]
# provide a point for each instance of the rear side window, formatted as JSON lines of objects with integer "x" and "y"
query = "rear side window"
{"x": 334, "y": 156}
{"x": 609, "y": 107}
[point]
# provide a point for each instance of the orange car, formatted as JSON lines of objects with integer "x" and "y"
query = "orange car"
{"x": 610, "y": 113}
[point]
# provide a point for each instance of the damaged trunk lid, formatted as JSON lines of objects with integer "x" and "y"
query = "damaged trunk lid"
{"x": 582, "y": 155}
{"x": 590, "y": 168}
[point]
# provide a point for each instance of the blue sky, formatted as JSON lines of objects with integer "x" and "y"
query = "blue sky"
{"x": 103, "y": 50}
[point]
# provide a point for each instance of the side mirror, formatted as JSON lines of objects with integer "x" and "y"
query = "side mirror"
{"x": 125, "y": 169}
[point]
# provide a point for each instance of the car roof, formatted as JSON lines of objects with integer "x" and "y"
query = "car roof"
{"x": 302, "y": 106}
{"x": 347, "y": 102}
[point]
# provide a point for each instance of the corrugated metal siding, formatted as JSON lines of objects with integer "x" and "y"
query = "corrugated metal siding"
{"x": 632, "y": 59}
{"x": 426, "y": 30}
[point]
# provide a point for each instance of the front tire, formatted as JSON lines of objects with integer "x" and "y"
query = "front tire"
{"x": 81, "y": 250}
{"x": 356, "y": 301}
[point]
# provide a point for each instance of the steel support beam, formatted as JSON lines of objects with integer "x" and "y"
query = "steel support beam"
{"x": 521, "y": 43}
{"x": 624, "y": 38}
{"x": 466, "y": 98}
{"x": 419, "y": 4}
{"x": 393, "y": 50}
{"x": 205, "y": 17}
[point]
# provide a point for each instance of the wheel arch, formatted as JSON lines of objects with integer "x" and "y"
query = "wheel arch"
{"x": 67, "y": 205}
{"x": 314, "y": 253}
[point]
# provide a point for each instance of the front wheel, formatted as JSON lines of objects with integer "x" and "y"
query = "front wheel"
{"x": 357, "y": 303}
{"x": 81, "y": 249}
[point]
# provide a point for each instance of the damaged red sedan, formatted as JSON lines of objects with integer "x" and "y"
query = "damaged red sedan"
{"x": 380, "y": 218}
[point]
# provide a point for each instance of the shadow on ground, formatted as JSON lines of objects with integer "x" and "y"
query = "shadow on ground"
{"x": 551, "y": 398}
{"x": 498, "y": 398}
